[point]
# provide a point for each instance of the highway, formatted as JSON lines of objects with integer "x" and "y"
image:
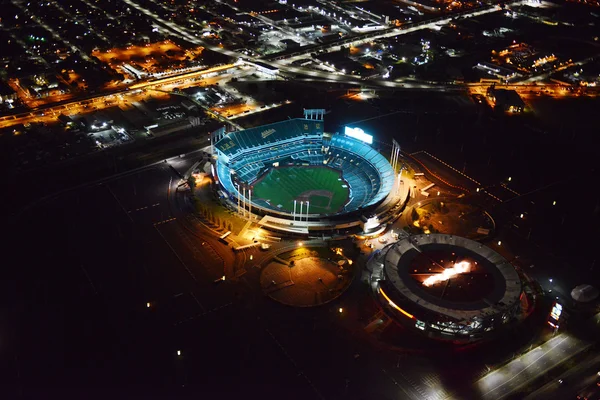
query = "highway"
{"x": 122, "y": 95}
{"x": 504, "y": 381}
{"x": 575, "y": 381}
{"x": 533, "y": 364}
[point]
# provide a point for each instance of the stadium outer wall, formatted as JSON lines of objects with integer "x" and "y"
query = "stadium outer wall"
{"x": 458, "y": 322}
{"x": 368, "y": 216}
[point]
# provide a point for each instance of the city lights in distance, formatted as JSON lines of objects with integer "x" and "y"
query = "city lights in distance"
{"x": 458, "y": 268}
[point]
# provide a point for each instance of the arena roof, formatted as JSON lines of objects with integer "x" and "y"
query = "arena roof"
{"x": 236, "y": 142}
{"x": 496, "y": 302}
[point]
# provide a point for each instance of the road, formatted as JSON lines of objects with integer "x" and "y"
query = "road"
{"x": 508, "y": 379}
{"x": 575, "y": 380}
{"x": 122, "y": 95}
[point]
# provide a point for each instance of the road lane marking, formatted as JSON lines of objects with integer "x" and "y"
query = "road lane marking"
{"x": 144, "y": 208}
{"x": 165, "y": 221}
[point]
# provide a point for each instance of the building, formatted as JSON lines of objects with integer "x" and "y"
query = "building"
{"x": 264, "y": 69}
{"x": 506, "y": 100}
{"x": 6, "y": 93}
{"x": 289, "y": 44}
{"x": 363, "y": 176}
{"x": 447, "y": 287}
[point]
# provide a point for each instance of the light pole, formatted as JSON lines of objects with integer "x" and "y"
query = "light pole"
{"x": 399, "y": 181}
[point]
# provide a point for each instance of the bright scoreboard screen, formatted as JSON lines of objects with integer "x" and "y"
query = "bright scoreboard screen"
{"x": 359, "y": 134}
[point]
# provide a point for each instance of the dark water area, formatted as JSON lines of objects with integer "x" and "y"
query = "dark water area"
{"x": 550, "y": 154}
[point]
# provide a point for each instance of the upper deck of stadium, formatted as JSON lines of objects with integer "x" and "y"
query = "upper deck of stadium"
{"x": 237, "y": 143}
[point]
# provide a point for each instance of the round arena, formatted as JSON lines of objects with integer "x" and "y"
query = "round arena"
{"x": 292, "y": 176}
{"x": 448, "y": 287}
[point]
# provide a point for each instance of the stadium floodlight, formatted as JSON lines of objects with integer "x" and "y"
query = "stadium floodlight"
{"x": 359, "y": 134}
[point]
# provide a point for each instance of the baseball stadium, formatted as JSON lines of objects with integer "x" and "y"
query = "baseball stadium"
{"x": 292, "y": 176}
{"x": 447, "y": 287}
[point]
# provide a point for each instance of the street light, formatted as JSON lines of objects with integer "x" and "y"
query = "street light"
{"x": 554, "y": 203}
{"x": 521, "y": 216}
{"x": 509, "y": 178}
{"x": 148, "y": 305}
{"x": 499, "y": 242}
{"x": 340, "y": 310}
{"x": 178, "y": 352}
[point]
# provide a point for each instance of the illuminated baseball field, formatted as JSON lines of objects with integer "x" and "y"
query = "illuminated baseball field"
{"x": 323, "y": 187}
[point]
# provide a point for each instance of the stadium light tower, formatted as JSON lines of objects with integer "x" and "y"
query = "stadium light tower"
{"x": 244, "y": 202}
{"x": 250, "y": 203}
{"x": 294, "y": 214}
{"x": 238, "y": 199}
{"x": 307, "y": 204}
{"x": 395, "y": 155}
{"x": 399, "y": 181}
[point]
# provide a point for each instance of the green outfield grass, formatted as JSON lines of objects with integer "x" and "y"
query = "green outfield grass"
{"x": 319, "y": 185}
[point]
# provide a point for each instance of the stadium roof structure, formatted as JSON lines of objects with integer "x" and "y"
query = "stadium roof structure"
{"x": 504, "y": 296}
{"x": 236, "y": 143}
